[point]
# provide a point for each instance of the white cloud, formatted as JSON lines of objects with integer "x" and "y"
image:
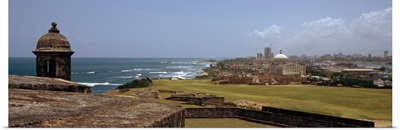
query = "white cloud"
{"x": 375, "y": 23}
{"x": 371, "y": 33}
{"x": 272, "y": 32}
{"x": 323, "y": 27}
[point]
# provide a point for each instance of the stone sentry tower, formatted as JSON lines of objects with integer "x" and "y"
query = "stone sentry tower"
{"x": 53, "y": 55}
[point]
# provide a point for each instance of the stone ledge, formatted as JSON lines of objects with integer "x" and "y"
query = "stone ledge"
{"x": 38, "y": 108}
{"x": 45, "y": 83}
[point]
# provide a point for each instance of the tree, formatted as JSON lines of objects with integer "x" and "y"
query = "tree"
{"x": 137, "y": 83}
{"x": 383, "y": 68}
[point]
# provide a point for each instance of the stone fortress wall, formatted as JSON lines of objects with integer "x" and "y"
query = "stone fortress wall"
{"x": 53, "y": 102}
{"x": 278, "y": 117}
{"x": 153, "y": 114}
{"x": 45, "y": 83}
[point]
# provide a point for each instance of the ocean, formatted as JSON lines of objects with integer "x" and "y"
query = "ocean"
{"x": 105, "y": 74}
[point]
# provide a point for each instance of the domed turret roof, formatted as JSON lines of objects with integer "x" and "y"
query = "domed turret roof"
{"x": 281, "y": 56}
{"x": 53, "y": 41}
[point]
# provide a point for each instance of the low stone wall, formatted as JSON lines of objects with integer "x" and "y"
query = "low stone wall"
{"x": 210, "y": 112}
{"x": 284, "y": 120}
{"x": 240, "y": 80}
{"x": 319, "y": 117}
{"x": 280, "y": 118}
{"x": 174, "y": 120}
{"x": 65, "y": 88}
{"x": 170, "y": 91}
{"x": 198, "y": 100}
{"x": 45, "y": 83}
{"x": 265, "y": 79}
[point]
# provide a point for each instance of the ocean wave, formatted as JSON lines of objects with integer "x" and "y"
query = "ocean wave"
{"x": 90, "y": 72}
{"x": 189, "y": 62}
{"x": 158, "y": 72}
{"x": 124, "y": 77}
{"x": 179, "y": 67}
{"x": 127, "y": 70}
{"x": 94, "y": 84}
{"x": 139, "y": 69}
{"x": 180, "y": 73}
{"x": 179, "y": 62}
{"x": 136, "y": 69}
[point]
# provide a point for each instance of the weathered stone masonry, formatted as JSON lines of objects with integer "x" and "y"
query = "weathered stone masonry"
{"x": 53, "y": 55}
{"x": 276, "y": 118}
{"x": 56, "y": 109}
{"x": 45, "y": 83}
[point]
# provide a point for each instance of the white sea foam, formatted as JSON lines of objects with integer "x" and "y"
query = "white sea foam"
{"x": 94, "y": 84}
{"x": 91, "y": 72}
{"x": 127, "y": 70}
{"x": 179, "y": 67}
{"x": 138, "y": 74}
{"x": 180, "y": 73}
{"x": 124, "y": 77}
{"x": 158, "y": 72}
{"x": 140, "y": 69}
{"x": 136, "y": 69}
{"x": 188, "y": 62}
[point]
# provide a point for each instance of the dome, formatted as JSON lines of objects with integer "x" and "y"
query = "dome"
{"x": 281, "y": 56}
{"x": 53, "y": 41}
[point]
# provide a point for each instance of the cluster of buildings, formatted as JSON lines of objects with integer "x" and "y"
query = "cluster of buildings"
{"x": 266, "y": 64}
{"x": 264, "y": 69}
{"x": 280, "y": 69}
{"x": 279, "y": 64}
{"x": 344, "y": 57}
{"x": 379, "y": 75}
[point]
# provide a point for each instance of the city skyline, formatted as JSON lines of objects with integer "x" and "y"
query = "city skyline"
{"x": 204, "y": 28}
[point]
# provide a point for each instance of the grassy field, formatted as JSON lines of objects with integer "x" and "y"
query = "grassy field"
{"x": 358, "y": 103}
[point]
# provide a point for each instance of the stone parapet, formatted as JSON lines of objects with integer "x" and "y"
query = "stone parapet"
{"x": 283, "y": 118}
{"x": 55, "y": 109}
{"x": 45, "y": 83}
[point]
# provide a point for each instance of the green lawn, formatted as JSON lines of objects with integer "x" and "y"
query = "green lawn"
{"x": 359, "y": 103}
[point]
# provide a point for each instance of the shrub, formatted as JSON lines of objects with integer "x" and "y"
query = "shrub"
{"x": 137, "y": 83}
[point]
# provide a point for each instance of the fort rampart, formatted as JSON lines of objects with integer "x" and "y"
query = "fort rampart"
{"x": 199, "y": 100}
{"x": 173, "y": 120}
{"x": 278, "y": 118}
{"x": 45, "y": 83}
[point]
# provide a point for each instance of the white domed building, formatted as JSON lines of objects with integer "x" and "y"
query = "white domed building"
{"x": 281, "y": 59}
{"x": 282, "y": 65}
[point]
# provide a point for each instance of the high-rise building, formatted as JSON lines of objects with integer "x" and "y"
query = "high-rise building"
{"x": 385, "y": 54}
{"x": 267, "y": 53}
{"x": 259, "y": 55}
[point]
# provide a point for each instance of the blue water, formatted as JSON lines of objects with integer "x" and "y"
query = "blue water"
{"x": 104, "y": 74}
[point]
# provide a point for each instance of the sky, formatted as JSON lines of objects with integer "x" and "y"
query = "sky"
{"x": 203, "y": 28}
